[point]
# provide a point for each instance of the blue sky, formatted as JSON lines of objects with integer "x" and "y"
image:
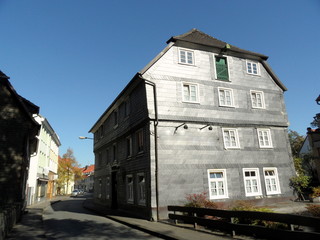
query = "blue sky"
{"x": 73, "y": 57}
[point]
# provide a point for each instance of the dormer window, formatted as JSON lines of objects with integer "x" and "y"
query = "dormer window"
{"x": 186, "y": 57}
{"x": 221, "y": 68}
{"x": 253, "y": 68}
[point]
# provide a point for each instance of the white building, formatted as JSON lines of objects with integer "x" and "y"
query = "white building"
{"x": 43, "y": 164}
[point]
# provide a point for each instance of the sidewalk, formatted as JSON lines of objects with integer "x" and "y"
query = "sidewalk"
{"x": 31, "y": 226}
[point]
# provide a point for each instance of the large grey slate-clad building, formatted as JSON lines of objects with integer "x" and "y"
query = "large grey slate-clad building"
{"x": 202, "y": 116}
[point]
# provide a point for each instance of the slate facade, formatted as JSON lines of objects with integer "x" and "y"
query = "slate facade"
{"x": 18, "y": 141}
{"x": 202, "y": 116}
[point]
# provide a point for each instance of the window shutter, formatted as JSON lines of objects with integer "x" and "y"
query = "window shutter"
{"x": 222, "y": 68}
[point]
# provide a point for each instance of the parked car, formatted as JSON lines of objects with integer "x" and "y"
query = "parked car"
{"x": 75, "y": 193}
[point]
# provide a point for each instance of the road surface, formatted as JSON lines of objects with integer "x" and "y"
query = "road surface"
{"x": 69, "y": 220}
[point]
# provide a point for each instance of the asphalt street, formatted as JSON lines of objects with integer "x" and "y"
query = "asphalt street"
{"x": 69, "y": 220}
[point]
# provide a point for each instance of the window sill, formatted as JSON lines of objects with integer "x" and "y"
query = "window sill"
{"x": 220, "y": 197}
{"x": 227, "y": 106}
{"x": 191, "y": 102}
{"x": 187, "y": 64}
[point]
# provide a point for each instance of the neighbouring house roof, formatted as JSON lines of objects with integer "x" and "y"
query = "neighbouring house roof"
{"x": 318, "y": 99}
{"x": 28, "y": 108}
{"x": 88, "y": 169}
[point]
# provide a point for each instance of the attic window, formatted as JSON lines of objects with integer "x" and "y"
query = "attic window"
{"x": 252, "y": 68}
{"x": 222, "y": 68}
{"x": 186, "y": 57}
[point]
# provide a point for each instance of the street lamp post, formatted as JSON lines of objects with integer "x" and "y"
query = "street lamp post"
{"x": 81, "y": 137}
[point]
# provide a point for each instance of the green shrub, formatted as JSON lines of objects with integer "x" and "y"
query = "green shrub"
{"x": 314, "y": 210}
{"x": 199, "y": 200}
{"x": 315, "y": 192}
{"x": 300, "y": 185}
{"x": 247, "y": 206}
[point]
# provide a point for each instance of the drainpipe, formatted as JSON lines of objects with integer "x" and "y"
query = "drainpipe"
{"x": 155, "y": 123}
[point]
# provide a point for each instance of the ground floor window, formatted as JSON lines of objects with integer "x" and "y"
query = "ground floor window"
{"x": 271, "y": 180}
{"x": 129, "y": 187}
{"x": 252, "y": 181}
{"x": 217, "y": 183}
{"x": 141, "y": 189}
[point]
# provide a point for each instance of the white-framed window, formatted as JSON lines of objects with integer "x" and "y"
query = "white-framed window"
{"x": 140, "y": 141}
{"x": 217, "y": 183}
{"x": 126, "y": 105}
{"x": 257, "y": 99}
{"x": 226, "y": 97}
{"x": 129, "y": 146}
{"x": 272, "y": 180}
{"x": 253, "y": 68}
{"x": 230, "y": 138}
{"x": 114, "y": 152}
{"x": 186, "y": 57}
{"x": 141, "y": 188}
{"x": 264, "y": 138}
{"x": 252, "y": 181}
{"x": 129, "y": 188}
{"x": 190, "y": 92}
{"x": 107, "y": 156}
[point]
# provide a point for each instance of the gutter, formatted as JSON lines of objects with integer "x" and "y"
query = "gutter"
{"x": 155, "y": 124}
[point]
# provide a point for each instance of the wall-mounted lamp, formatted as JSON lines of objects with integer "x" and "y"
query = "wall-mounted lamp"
{"x": 185, "y": 126}
{"x": 81, "y": 137}
{"x": 210, "y": 127}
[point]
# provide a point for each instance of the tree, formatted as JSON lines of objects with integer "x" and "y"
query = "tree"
{"x": 68, "y": 169}
{"x": 296, "y": 140}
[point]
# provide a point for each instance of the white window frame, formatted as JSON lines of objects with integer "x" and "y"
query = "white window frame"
{"x": 129, "y": 148}
{"x": 141, "y": 189}
{"x": 234, "y": 131}
{"x": 126, "y": 105}
{"x": 224, "y": 90}
{"x": 129, "y": 189}
{"x": 253, "y": 104}
{"x": 261, "y": 138}
{"x": 272, "y": 180}
{"x": 189, "y": 92}
{"x": 186, "y": 52}
{"x": 251, "y": 179}
{"x": 251, "y": 64}
{"x": 217, "y": 181}
{"x": 140, "y": 141}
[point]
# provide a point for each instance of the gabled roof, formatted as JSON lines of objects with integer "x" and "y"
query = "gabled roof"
{"x": 198, "y": 37}
{"x": 2, "y": 75}
{"x": 27, "y": 107}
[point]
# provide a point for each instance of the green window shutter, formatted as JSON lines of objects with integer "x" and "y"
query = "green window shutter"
{"x": 222, "y": 68}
